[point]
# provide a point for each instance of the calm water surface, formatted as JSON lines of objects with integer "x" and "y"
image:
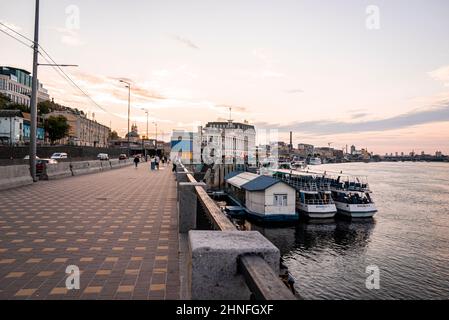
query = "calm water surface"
{"x": 408, "y": 239}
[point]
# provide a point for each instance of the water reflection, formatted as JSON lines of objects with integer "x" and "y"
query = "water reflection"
{"x": 319, "y": 234}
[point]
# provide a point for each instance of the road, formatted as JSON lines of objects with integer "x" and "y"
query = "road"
{"x": 118, "y": 227}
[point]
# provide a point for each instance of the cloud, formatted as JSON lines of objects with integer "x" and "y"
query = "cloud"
{"x": 294, "y": 91}
{"x": 359, "y": 115}
{"x": 185, "y": 41}
{"x": 441, "y": 74}
{"x": 436, "y": 113}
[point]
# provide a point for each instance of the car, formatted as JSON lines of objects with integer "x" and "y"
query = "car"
{"x": 27, "y": 157}
{"x": 122, "y": 157}
{"x": 103, "y": 156}
{"x": 59, "y": 155}
{"x": 41, "y": 163}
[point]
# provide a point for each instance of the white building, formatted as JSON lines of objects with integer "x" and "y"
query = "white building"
{"x": 264, "y": 197}
{"x": 229, "y": 142}
{"x": 16, "y": 84}
{"x": 11, "y": 127}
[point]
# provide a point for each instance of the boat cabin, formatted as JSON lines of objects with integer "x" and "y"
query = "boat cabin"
{"x": 264, "y": 197}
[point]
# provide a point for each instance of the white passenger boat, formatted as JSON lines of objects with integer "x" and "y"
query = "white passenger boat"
{"x": 352, "y": 195}
{"x": 313, "y": 198}
{"x": 315, "y": 161}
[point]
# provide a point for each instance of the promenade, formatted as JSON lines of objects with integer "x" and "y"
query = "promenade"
{"x": 119, "y": 227}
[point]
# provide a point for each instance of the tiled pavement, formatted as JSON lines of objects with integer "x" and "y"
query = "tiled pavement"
{"x": 119, "y": 227}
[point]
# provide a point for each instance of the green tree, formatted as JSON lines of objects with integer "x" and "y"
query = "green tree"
{"x": 113, "y": 135}
{"x": 4, "y": 101}
{"x": 57, "y": 128}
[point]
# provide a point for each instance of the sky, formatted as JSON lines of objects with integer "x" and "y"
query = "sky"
{"x": 370, "y": 73}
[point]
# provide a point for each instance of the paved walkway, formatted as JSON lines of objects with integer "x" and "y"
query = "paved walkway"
{"x": 119, "y": 227}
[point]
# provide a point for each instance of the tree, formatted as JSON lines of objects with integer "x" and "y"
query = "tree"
{"x": 113, "y": 135}
{"x": 4, "y": 101}
{"x": 57, "y": 128}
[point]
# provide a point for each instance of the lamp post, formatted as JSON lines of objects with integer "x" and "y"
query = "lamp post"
{"x": 128, "y": 85}
{"x": 155, "y": 144}
{"x": 34, "y": 91}
{"x": 146, "y": 112}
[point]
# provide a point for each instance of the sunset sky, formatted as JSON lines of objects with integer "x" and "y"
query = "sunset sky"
{"x": 311, "y": 67}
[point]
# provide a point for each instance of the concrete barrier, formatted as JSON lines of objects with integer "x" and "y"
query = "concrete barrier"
{"x": 80, "y": 168}
{"x": 14, "y": 176}
{"x": 213, "y": 266}
{"x": 58, "y": 171}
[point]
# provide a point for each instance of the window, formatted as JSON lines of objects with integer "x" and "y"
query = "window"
{"x": 280, "y": 200}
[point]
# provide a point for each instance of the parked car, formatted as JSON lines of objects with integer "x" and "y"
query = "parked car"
{"x": 103, "y": 156}
{"x": 122, "y": 157}
{"x": 41, "y": 163}
{"x": 59, "y": 155}
{"x": 27, "y": 157}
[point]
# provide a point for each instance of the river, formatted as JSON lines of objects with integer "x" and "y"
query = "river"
{"x": 408, "y": 239}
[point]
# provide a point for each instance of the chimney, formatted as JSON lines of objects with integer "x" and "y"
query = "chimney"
{"x": 291, "y": 141}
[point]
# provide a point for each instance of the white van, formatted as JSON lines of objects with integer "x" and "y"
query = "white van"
{"x": 59, "y": 155}
{"x": 103, "y": 156}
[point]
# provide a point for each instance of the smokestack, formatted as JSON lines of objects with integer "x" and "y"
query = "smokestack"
{"x": 291, "y": 141}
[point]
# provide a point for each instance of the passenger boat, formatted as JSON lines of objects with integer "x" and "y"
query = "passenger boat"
{"x": 352, "y": 195}
{"x": 315, "y": 161}
{"x": 314, "y": 198}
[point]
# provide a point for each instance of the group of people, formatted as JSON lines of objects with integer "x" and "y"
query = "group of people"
{"x": 155, "y": 161}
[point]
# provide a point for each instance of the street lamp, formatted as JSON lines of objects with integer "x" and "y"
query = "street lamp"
{"x": 34, "y": 92}
{"x": 146, "y": 112}
{"x": 128, "y": 85}
{"x": 155, "y": 145}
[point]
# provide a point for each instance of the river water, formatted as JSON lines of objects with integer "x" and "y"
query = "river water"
{"x": 408, "y": 239}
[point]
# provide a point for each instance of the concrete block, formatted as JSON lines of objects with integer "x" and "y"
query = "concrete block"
{"x": 80, "y": 168}
{"x": 187, "y": 205}
{"x": 14, "y": 176}
{"x": 213, "y": 272}
{"x": 58, "y": 171}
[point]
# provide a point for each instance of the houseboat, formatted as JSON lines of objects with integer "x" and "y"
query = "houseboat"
{"x": 264, "y": 198}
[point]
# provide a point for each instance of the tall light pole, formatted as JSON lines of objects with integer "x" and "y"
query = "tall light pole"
{"x": 155, "y": 144}
{"x": 33, "y": 103}
{"x": 128, "y": 85}
{"x": 146, "y": 112}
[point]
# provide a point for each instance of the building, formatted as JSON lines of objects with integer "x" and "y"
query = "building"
{"x": 16, "y": 84}
{"x": 40, "y": 134}
{"x": 264, "y": 197}
{"x": 233, "y": 142}
{"x": 181, "y": 146}
{"x": 83, "y": 131}
{"x": 11, "y": 127}
{"x": 306, "y": 150}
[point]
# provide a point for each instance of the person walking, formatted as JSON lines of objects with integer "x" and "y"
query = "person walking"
{"x": 157, "y": 162}
{"x": 136, "y": 161}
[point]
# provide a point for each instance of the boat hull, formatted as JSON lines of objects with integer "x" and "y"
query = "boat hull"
{"x": 318, "y": 211}
{"x": 273, "y": 217}
{"x": 362, "y": 210}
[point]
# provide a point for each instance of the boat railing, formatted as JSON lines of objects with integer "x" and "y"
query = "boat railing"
{"x": 318, "y": 201}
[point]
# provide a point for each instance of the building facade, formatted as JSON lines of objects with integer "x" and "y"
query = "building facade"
{"x": 11, "y": 127}
{"x": 83, "y": 131}
{"x": 16, "y": 84}
{"x": 229, "y": 142}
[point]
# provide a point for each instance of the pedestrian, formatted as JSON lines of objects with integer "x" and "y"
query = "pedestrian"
{"x": 153, "y": 163}
{"x": 157, "y": 162}
{"x": 136, "y": 161}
